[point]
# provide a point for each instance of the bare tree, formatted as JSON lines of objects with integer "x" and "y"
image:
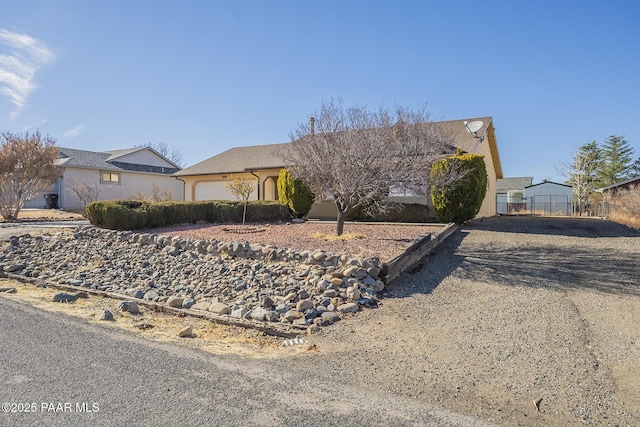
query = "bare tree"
{"x": 87, "y": 193}
{"x": 157, "y": 195}
{"x": 242, "y": 189}
{"x": 171, "y": 153}
{"x": 582, "y": 172}
{"x": 27, "y": 165}
{"x": 355, "y": 156}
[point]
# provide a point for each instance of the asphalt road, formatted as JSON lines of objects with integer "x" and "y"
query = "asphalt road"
{"x": 68, "y": 372}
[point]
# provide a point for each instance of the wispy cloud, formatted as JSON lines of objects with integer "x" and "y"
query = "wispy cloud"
{"x": 73, "y": 132}
{"x": 35, "y": 124}
{"x": 21, "y": 56}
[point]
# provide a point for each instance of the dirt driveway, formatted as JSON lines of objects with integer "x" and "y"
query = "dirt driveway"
{"x": 519, "y": 321}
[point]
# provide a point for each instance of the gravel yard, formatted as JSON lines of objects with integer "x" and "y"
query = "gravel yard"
{"x": 379, "y": 240}
{"x": 515, "y": 320}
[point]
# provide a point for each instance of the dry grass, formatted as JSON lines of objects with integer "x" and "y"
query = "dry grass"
{"x": 625, "y": 207}
{"x": 207, "y": 335}
{"x": 343, "y": 237}
{"x": 626, "y": 219}
{"x": 52, "y": 214}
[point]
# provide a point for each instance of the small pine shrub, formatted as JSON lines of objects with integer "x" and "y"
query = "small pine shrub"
{"x": 294, "y": 193}
{"x": 460, "y": 201}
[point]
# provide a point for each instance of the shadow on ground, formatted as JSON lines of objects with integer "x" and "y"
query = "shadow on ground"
{"x": 431, "y": 270}
{"x": 554, "y": 226}
{"x": 583, "y": 263}
{"x": 545, "y": 266}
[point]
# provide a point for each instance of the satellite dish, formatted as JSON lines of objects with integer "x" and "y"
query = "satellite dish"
{"x": 473, "y": 127}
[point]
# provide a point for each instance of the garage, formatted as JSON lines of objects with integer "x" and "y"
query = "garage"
{"x": 212, "y": 191}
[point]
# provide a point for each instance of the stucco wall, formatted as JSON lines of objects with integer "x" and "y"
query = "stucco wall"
{"x": 267, "y": 190}
{"x": 488, "y": 207}
{"x": 131, "y": 184}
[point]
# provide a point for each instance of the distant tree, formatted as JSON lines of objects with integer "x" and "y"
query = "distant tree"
{"x": 583, "y": 171}
{"x": 617, "y": 158}
{"x": 354, "y": 156}
{"x": 170, "y": 153}
{"x": 87, "y": 193}
{"x": 242, "y": 189}
{"x": 635, "y": 167}
{"x": 27, "y": 165}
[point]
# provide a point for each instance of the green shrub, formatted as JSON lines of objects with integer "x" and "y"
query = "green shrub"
{"x": 118, "y": 214}
{"x": 460, "y": 201}
{"x": 136, "y": 215}
{"x": 400, "y": 212}
{"x": 294, "y": 193}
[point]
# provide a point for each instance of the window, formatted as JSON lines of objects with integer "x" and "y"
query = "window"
{"x": 110, "y": 177}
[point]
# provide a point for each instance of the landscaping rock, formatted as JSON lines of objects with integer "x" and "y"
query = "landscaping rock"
{"x": 239, "y": 313}
{"x": 203, "y": 305}
{"x": 304, "y": 305}
{"x": 107, "y": 316}
{"x": 292, "y": 315}
{"x": 207, "y": 275}
{"x": 186, "y": 332}
{"x": 350, "y": 307}
{"x": 64, "y": 297}
{"x": 13, "y": 268}
{"x": 258, "y": 313}
{"x": 151, "y": 296}
{"x": 188, "y": 303}
{"x": 219, "y": 308}
{"x": 330, "y": 316}
{"x": 174, "y": 302}
{"x": 353, "y": 293}
{"x": 129, "y": 306}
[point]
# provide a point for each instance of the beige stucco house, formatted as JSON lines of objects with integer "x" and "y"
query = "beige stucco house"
{"x": 207, "y": 180}
{"x": 117, "y": 174}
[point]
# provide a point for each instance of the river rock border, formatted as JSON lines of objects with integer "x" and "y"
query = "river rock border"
{"x": 238, "y": 279}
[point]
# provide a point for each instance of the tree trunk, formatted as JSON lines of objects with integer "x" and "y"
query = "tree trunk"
{"x": 340, "y": 222}
{"x": 244, "y": 212}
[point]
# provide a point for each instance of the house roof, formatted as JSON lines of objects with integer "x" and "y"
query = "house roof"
{"x": 240, "y": 159}
{"x": 618, "y": 184}
{"x": 469, "y": 142}
{"x": 108, "y": 161}
{"x": 548, "y": 182}
{"x": 514, "y": 183}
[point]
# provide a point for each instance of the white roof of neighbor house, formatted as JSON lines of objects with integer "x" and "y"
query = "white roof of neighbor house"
{"x": 109, "y": 160}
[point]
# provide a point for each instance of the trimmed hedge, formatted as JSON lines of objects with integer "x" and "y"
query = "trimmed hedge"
{"x": 136, "y": 215}
{"x": 401, "y": 212}
{"x": 462, "y": 200}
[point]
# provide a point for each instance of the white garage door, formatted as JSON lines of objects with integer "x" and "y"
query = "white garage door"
{"x": 213, "y": 191}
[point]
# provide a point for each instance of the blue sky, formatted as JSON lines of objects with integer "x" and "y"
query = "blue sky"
{"x": 204, "y": 76}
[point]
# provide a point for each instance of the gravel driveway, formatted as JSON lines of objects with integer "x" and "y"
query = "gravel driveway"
{"x": 517, "y": 320}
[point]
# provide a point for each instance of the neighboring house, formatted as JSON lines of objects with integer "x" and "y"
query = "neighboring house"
{"x": 611, "y": 190}
{"x": 118, "y": 174}
{"x": 549, "y": 198}
{"x": 207, "y": 180}
{"x": 510, "y": 194}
